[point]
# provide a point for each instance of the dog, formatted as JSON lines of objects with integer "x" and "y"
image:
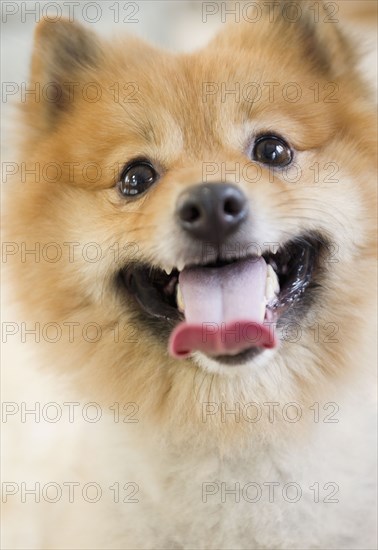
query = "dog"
{"x": 203, "y": 256}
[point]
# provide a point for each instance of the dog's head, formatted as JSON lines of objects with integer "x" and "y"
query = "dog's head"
{"x": 214, "y": 204}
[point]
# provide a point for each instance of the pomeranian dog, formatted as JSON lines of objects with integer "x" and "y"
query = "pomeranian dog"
{"x": 203, "y": 236}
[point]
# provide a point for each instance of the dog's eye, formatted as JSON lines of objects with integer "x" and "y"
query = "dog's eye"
{"x": 272, "y": 150}
{"x": 136, "y": 178}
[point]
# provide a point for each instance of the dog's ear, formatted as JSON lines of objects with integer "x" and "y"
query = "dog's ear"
{"x": 318, "y": 26}
{"x": 311, "y": 29}
{"x": 63, "y": 55}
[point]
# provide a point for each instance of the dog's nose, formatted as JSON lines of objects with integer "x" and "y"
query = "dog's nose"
{"x": 211, "y": 212}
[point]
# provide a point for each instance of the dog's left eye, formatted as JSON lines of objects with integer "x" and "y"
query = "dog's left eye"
{"x": 272, "y": 150}
{"x": 136, "y": 178}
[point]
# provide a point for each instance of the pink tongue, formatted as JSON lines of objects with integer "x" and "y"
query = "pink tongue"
{"x": 224, "y": 310}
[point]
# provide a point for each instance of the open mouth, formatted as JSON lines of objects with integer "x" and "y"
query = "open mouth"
{"x": 228, "y": 308}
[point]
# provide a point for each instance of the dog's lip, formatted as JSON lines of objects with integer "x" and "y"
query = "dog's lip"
{"x": 238, "y": 359}
{"x": 295, "y": 262}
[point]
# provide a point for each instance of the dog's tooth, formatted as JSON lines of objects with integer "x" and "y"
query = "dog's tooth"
{"x": 168, "y": 270}
{"x": 180, "y": 266}
{"x": 179, "y": 299}
{"x": 272, "y": 276}
{"x": 273, "y": 248}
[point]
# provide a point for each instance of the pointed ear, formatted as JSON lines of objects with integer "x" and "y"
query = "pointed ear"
{"x": 319, "y": 26}
{"x": 307, "y": 29}
{"x": 63, "y": 54}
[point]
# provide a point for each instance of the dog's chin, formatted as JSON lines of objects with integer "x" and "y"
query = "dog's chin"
{"x": 241, "y": 365}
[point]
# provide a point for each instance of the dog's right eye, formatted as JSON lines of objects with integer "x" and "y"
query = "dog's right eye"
{"x": 136, "y": 178}
{"x": 272, "y": 150}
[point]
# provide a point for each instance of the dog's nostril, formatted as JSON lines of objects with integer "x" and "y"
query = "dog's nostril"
{"x": 190, "y": 213}
{"x": 233, "y": 206}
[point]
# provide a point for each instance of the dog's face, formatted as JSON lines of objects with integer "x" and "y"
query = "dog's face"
{"x": 242, "y": 174}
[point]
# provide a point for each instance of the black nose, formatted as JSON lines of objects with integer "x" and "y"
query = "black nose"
{"x": 211, "y": 212}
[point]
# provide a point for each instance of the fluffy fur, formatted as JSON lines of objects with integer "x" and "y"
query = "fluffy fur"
{"x": 172, "y": 451}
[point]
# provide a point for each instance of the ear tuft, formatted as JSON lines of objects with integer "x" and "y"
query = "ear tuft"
{"x": 311, "y": 30}
{"x": 321, "y": 37}
{"x": 63, "y": 45}
{"x": 63, "y": 53}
